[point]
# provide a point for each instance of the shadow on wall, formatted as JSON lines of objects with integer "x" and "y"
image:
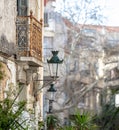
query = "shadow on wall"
{"x": 6, "y": 47}
{"x": 6, "y": 78}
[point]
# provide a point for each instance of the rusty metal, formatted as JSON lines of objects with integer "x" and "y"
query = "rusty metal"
{"x": 29, "y": 36}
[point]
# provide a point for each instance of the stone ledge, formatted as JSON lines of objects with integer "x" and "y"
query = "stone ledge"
{"x": 32, "y": 61}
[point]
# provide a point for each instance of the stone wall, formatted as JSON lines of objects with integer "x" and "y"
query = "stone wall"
{"x": 8, "y": 20}
{"x": 8, "y": 26}
{"x": 9, "y": 76}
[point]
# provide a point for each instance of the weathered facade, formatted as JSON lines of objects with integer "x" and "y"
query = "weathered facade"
{"x": 92, "y": 65}
{"x": 21, "y": 38}
{"x": 90, "y": 52}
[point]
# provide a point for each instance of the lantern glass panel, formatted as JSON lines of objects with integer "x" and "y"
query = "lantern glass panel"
{"x": 53, "y": 63}
{"x": 53, "y": 70}
{"x": 117, "y": 100}
{"x": 51, "y": 95}
{"x": 51, "y": 92}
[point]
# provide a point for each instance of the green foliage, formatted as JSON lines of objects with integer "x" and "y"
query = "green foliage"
{"x": 107, "y": 119}
{"x": 10, "y": 113}
{"x": 11, "y": 110}
{"x": 83, "y": 121}
{"x": 1, "y": 72}
{"x": 80, "y": 121}
{"x": 52, "y": 122}
{"x": 40, "y": 125}
{"x": 67, "y": 128}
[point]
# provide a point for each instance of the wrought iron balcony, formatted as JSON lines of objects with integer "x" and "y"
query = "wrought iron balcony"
{"x": 29, "y": 37}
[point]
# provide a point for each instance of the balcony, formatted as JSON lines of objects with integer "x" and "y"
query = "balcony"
{"x": 29, "y": 39}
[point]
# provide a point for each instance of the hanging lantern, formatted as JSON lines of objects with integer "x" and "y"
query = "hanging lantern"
{"x": 53, "y": 64}
{"x": 51, "y": 91}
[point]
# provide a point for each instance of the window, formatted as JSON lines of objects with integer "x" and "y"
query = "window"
{"x": 22, "y": 7}
{"x": 48, "y": 47}
{"x": 46, "y": 19}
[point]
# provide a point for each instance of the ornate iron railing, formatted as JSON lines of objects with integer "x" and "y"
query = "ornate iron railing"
{"x": 29, "y": 36}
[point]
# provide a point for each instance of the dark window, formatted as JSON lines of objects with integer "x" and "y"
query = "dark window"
{"x": 22, "y": 7}
{"x": 46, "y": 19}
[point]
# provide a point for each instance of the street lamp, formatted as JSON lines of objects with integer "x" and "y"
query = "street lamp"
{"x": 51, "y": 91}
{"x": 53, "y": 64}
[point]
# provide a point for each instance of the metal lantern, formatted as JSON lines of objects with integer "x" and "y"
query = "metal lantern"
{"x": 51, "y": 91}
{"x": 53, "y": 64}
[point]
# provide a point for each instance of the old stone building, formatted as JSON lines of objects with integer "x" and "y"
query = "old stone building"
{"x": 90, "y": 58}
{"x": 92, "y": 65}
{"x": 21, "y": 41}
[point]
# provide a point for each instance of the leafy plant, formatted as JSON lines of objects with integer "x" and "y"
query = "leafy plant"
{"x": 10, "y": 113}
{"x": 52, "y": 122}
{"x": 40, "y": 125}
{"x": 107, "y": 119}
{"x": 11, "y": 110}
{"x": 83, "y": 121}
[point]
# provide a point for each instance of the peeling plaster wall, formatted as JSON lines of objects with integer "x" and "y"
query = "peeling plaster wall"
{"x": 8, "y": 19}
{"x": 9, "y": 69}
{"x": 12, "y": 67}
{"x": 8, "y": 14}
{"x": 8, "y": 34}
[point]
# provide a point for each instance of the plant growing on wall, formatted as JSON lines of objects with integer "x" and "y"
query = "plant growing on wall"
{"x": 9, "y": 118}
{"x": 11, "y": 110}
